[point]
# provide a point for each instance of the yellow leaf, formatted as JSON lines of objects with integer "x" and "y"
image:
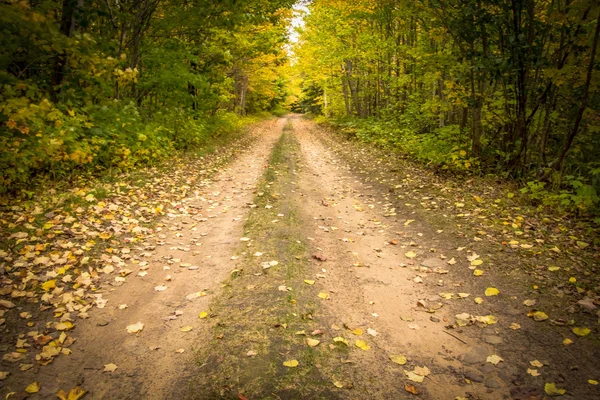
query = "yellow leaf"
{"x": 361, "y": 344}
{"x": 478, "y": 300}
{"x": 51, "y": 284}
{"x": 488, "y": 319}
{"x": 203, "y": 314}
{"x": 475, "y": 263}
{"x": 414, "y": 377}
{"x": 186, "y": 328}
{"x": 112, "y": 367}
{"x": 567, "y": 342}
{"x": 338, "y": 384}
{"x": 398, "y": 359}
{"x": 582, "y": 245}
{"x": 446, "y": 296}
{"x": 323, "y": 295}
{"x": 540, "y": 316}
{"x": 309, "y": 282}
{"x": 463, "y": 295}
{"x": 572, "y": 280}
{"x": 592, "y": 381}
{"x": 536, "y": 363}
{"x": 74, "y": 394}
{"x": 552, "y": 390}
{"x": 33, "y": 387}
{"x": 340, "y": 340}
{"x": 491, "y": 291}
{"x": 581, "y": 331}
{"x": 410, "y": 254}
{"x": 291, "y": 363}
{"x": 553, "y": 269}
{"x": 357, "y": 331}
{"x": 64, "y": 326}
{"x": 312, "y": 342}
{"x": 478, "y": 272}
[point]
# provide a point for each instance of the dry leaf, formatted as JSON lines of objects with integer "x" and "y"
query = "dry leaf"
{"x": 494, "y": 359}
{"x": 491, "y": 291}
{"x": 361, "y": 344}
{"x": 135, "y": 328}
{"x": 398, "y": 359}
{"x": 291, "y": 363}
{"x": 33, "y": 387}
{"x": 110, "y": 367}
{"x": 552, "y": 390}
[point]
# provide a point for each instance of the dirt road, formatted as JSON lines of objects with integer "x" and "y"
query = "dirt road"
{"x": 289, "y": 276}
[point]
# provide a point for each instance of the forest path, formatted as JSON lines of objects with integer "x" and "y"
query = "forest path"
{"x": 288, "y": 275}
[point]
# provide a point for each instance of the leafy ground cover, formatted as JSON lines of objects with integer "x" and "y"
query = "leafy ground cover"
{"x": 70, "y": 238}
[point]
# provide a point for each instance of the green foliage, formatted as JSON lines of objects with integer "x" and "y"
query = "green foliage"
{"x": 510, "y": 88}
{"x": 107, "y": 86}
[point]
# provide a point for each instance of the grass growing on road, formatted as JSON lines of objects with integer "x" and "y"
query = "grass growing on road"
{"x": 256, "y": 321}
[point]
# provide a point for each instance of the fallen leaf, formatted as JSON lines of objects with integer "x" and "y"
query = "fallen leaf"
{"x": 553, "y": 269}
{"x": 491, "y": 292}
{"x": 414, "y": 377}
{"x": 160, "y": 288}
{"x": 3, "y": 375}
{"x": 476, "y": 263}
{"x": 361, "y": 344}
{"x": 581, "y": 331}
{"x": 423, "y": 371}
{"x": 51, "y": 284}
{"x": 410, "y": 254}
{"x": 533, "y": 372}
{"x": 398, "y": 359}
{"x": 536, "y": 363}
{"x": 186, "y": 328}
{"x": 339, "y": 339}
{"x": 478, "y": 272}
{"x": 110, "y": 367}
{"x": 309, "y": 282}
{"x": 33, "y": 387}
{"x": 357, "y": 331}
{"x": 291, "y": 363}
{"x": 74, "y": 394}
{"x": 323, "y": 295}
{"x": 135, "y": 328}
{"x": 478, "y": 300}
{"x": 567, "y": 342}
{"x": 312, "y": 342}
{"x": 552, "y": 390}
{"x": 203, "y": 314}
{"x": 540, "y": 316}
{"x": 529, "y": 303}
{"x": 514, "y": 326}
{"x": 411, "y": 389}
{"x": 592, "y": 381}
{"x": 494, "y": 359}
{"x": 372, "y": 332}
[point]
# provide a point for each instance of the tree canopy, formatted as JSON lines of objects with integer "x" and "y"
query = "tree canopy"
{"x": 97, "y": 85}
